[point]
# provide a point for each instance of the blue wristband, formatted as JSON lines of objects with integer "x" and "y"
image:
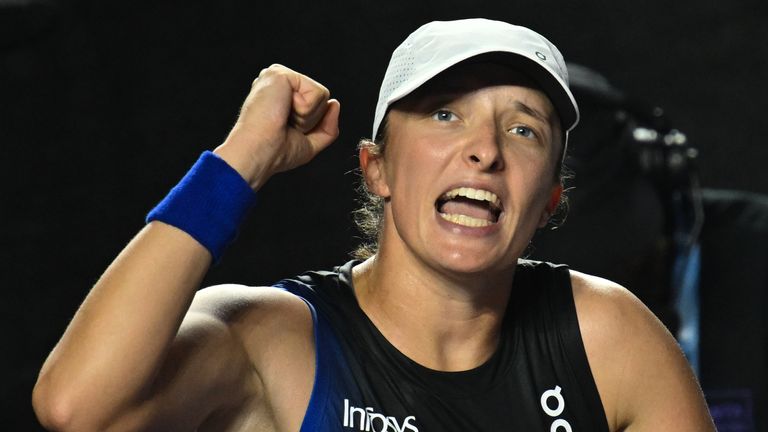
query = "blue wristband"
{"x": 209, "y": 203}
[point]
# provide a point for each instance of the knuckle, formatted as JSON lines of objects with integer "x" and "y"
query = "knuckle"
{"x": 273, "y": 69}
{"x": 278, "y": 69}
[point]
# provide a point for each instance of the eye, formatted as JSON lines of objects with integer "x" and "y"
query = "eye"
{"x": 443, "y": 115}
{"x": 523, "y": 131}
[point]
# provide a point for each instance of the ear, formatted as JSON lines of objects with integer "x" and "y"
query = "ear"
{"x": 554, "y": 200}
{"x": 372, "y": 166}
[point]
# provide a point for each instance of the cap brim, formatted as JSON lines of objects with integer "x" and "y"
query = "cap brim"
{"x": 556, "y": 90}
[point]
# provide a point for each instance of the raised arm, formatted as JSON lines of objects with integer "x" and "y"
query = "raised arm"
{"x": 644, "y": 381}
{"x": 133, "y": 357}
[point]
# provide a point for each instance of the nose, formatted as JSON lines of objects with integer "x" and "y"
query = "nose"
{"x": 483, "y": 151}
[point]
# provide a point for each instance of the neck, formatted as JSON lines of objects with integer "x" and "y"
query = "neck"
{"x": 441, "y": 321}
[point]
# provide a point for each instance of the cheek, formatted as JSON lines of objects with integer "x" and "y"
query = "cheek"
{"x": 407, "y": 180}
{"x": 532, "y": 181}
{"x": 413, "y": 164}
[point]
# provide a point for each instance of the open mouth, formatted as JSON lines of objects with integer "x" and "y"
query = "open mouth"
{"x": 469, "y": 207}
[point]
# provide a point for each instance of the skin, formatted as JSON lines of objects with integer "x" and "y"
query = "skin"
{"x": 233, "y": 358}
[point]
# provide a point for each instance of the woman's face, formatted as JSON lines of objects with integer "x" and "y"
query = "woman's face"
{"x": 468, "y": 174}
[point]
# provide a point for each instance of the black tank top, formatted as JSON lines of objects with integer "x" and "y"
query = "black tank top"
{"x": 537, "y": 380}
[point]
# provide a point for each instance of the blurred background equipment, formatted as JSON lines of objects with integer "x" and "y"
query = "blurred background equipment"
{"x": 697, "y": 257}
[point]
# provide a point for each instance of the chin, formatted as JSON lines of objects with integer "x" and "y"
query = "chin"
{"x": 476, "y": 264}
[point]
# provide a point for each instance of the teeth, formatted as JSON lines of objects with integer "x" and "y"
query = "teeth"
{"x": 475, "y": 194}
{"x": 465, "y": 220}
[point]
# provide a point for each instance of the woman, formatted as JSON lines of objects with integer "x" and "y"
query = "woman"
{"x": 443, "y": 328}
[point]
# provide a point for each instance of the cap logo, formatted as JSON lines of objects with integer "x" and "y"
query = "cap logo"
{"x": 541, "y": 56}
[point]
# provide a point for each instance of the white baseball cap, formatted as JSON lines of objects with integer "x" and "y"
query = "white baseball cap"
{"x": 436, "y": 46}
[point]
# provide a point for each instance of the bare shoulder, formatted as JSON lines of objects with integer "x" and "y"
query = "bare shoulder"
{"x": 271, "y": 334}
{"x": 261, "y": 318}
{"x": 607, "y": 310}
{"x": 246, "y": 309}
{"x": 644, "y": 381}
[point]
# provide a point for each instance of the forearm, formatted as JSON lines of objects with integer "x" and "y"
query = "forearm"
{"x": 116, "y": 343}
{"x": 105, "y": 365}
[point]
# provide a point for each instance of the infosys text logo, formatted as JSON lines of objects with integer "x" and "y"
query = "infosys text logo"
{"x": 366, "y": 419}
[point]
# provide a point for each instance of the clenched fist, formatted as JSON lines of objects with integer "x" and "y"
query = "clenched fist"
{"x": 284, "y": 122}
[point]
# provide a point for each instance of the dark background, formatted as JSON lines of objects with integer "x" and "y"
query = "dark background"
{"x": 104, "y": 105}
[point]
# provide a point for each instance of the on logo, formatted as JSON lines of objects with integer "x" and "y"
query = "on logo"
{"x": 559, "y": 425}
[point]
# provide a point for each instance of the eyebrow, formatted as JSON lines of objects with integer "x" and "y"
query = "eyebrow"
{"x": 452, "y": 91}
{"x": 431, "y": 101}
{"x": 531, "y": 112}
